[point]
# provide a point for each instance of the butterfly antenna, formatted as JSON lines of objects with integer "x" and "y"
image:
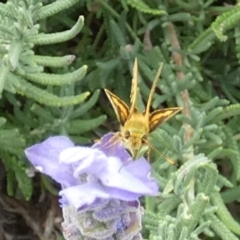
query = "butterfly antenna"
{"x": 160, "y": 153}
{"x": 153, "y": 89}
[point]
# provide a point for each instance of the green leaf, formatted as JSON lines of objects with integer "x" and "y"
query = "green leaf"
{"x": 225, "y": 22}
{"x": 57, "y": 79}
{"x": 54, "y": 8}
{"x": 24, "y": 182}
{"x": 143, "y": 7}
{"x": 224, "y": 214}
{"x": 81, "y": 126}
{"x": 55, "y": 62}
{"x": 42, "y": 96}
{"x": 52, "y": 38}
{"x": 220, "y": 228}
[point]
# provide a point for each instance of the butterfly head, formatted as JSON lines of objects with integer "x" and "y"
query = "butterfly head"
{"x": 134, "y": 137}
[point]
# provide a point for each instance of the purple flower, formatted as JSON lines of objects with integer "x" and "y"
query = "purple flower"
{"x": 102, "y": 180}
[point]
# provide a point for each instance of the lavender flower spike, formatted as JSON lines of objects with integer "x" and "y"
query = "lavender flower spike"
{"x": 99, "y": 193}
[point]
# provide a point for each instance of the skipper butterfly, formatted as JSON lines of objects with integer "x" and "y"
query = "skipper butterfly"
{"x": 135, "y": 126}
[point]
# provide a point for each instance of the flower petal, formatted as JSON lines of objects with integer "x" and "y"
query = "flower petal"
{"x": 111, "y": 145}
{"x": 76, "y": 154}
{"x": 123, "y": 179}
{"x": 97, "y": 163}
{"x": 132, "y": 177}
{"x": 122, "y": 194}
{"x": 141, "y": 169}
{"x": 84, "y": 194}
{"x": 45, "y": 156}
{"x": 90, "y": 160}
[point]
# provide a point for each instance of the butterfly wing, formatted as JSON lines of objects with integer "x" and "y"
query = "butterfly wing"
{"x": 120, "y": 107}
{"x": 134, "y": 89}
{"x": 147, "y": 112}
{"x": 159, "y": 116}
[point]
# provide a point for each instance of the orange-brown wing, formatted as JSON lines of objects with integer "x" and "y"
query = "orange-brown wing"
{"x": 120, "y": 107}
{"x": 147, "y": 111}
{"x": 161, "y": 115}
{"x": 134, "y": 89}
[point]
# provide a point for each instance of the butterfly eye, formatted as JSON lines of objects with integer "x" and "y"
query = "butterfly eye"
{"x": 127, "y": 134}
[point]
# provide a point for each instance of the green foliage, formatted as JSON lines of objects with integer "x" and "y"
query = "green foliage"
{"x": 24, "y": 122}
{"x": 226, "y": 21}
{"x": 143, "y": 7}
{"x": 12, "y": 144}
{"x": 20, "y": 33}
{"x": 198, "y": 42}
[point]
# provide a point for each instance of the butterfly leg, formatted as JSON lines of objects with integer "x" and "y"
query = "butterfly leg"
{"x": 113, "y": 140}
{"x": 125, "y": 163}
{"x": 148, "y": 154}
